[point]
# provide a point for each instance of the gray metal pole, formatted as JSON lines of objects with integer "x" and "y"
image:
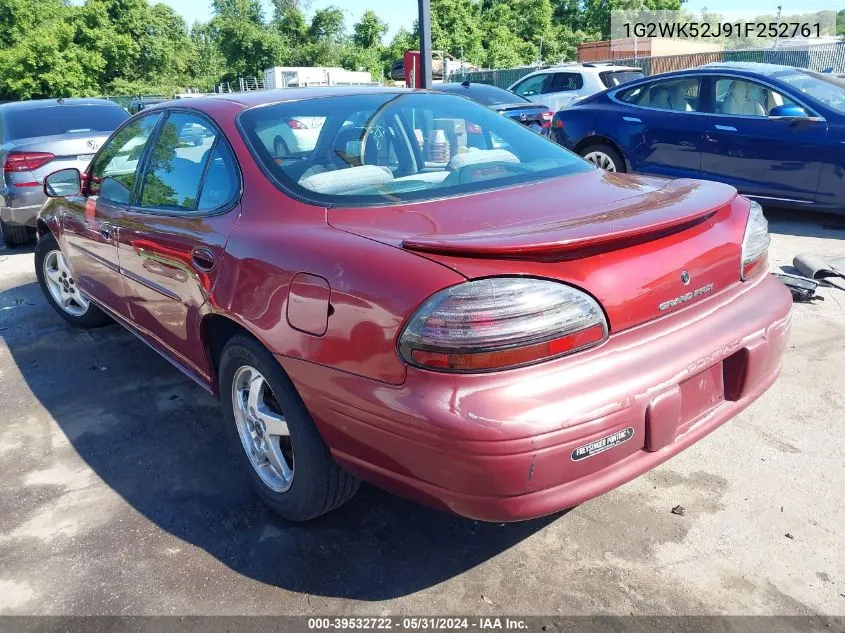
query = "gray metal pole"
{"x": 425, "y": 42}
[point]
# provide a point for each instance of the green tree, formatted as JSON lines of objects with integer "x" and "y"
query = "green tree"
{"x": 247, "y": 44}
{"x": 455, "y": 28}
{"x": 369, "y": 30}
{"x": 328, "y": 25}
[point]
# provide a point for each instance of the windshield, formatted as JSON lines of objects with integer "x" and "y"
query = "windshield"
{"x": 485, "y": 95}
{"x": 63, "y": 119}
{"x": 615, "y": 78}
{"x": 824, "y": 88}
{"x": 388, "y": 147}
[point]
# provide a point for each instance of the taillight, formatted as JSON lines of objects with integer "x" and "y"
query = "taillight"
{"x": 755, "y": 242}
{"x": 296, "y": 125}
{"x": 501, "y": 322}
{"x": 557, "y": 124}
{"x": 26, "y": 161}
{"x": 473, "y": 128}
{"x": 547, "y": 118}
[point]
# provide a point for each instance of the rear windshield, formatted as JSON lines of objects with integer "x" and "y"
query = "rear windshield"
{"x": 62, "y": 119}
{"x": 384, "y": 147}
{"x": 618, "y": 77}
{"x": 485, "y": 95}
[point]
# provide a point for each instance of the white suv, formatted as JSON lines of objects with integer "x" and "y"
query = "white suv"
{"x": 559, "y": 86}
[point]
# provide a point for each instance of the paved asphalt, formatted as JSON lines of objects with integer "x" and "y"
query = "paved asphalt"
{"x": 117, "y": 497}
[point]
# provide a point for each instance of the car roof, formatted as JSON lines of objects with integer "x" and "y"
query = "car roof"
{"x": 750, "y": 67}
{"x": 280, "y": 95}
{"x": 50, "y": 103}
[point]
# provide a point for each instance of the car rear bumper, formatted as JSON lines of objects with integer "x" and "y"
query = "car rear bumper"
{"x": 20, "y": 216}
{"x": 503, "y": 446}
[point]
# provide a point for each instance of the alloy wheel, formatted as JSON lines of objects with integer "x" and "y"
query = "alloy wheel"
{"x": 262, "y": 429}
{"x": 62, "y": 286}
{"x": 601, "y": 160}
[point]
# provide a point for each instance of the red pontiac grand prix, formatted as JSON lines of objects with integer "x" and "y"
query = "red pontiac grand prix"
{"x": 406, "y": 288}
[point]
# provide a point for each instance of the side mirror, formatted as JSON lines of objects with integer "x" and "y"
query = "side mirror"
{"x": 788, "y": 112}
{"x": 63, "y": 183}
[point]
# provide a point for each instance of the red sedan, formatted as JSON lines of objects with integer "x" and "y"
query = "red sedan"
{"x": 418, "y": 293}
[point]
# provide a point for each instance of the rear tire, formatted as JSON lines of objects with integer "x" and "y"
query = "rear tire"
{"x": 78, "y": 310}
{"x": 275, "y": 438}
{"x": 14, "y": 235}
{"x": 604, "y": 157}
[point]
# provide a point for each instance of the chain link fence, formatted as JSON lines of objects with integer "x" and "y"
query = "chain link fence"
{"x": 821, "y": 57}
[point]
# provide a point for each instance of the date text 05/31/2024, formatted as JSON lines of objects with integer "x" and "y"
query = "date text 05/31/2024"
{"x": 417, "y": 623}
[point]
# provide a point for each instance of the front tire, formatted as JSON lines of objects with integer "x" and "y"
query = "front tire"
{"x": 274, "y": 436}
{"x": 59, "y": 287}
{"x": 604, "y": 157}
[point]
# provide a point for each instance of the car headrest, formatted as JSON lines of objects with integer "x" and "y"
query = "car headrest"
{"x": 481, "y": 156}
{"x": 340, "y": 181}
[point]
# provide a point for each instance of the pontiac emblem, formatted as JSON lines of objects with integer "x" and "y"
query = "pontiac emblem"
{"x": 685, "y": 277}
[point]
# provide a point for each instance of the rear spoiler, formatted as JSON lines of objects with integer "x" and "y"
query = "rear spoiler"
{"x": 679, "y": 205}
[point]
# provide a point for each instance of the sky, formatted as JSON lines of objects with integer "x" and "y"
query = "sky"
{"x": 399, "y": 13}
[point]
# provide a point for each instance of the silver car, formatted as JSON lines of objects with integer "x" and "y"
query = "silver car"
{"x": 38, "y": 138}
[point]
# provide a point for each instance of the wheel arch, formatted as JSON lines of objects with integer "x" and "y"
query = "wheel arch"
{"x": 216, "y": 330}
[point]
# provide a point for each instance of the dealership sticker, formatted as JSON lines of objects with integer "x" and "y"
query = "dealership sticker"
{"x": 600, "y": 446}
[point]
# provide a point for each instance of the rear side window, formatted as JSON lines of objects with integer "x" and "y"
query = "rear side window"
{"x": 221, "y": 180}
{"x": 178, "y": 162}
{"x": 678, "y": 95}
{"x": 62, "y": 119}
{"x": 614, "y": 78}
{"x": 565, "y": 82}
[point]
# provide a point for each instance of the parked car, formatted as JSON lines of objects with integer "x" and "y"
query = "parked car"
{"x": 39, "y": 137}
{"x": 773, "y": 132}
{"x": 536, "y": 117}
{"x": 440, "y": 329}
{"x": 560, "y": 86}
{"x": 440, "y": 60}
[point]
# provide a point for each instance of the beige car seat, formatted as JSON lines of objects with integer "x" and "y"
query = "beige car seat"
{"x": 738, "y": 101}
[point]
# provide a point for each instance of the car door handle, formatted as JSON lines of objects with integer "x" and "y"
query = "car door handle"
{"x": 726, "y": 128}
{"x": 202, "y": 259}
{"x": 632, "y": 119}
{"x": 107, "y": 231}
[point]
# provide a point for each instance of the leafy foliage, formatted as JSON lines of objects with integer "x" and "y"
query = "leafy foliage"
{"x": 52, "y": 48}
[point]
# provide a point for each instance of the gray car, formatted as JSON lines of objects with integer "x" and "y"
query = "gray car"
{"x": 38, "y": 138}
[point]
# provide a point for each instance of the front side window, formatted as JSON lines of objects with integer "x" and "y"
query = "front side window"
{"x": 177, "y": 163}
{"x": 531, "y": 86}
{"x": 746, "y": 98}
{"x": 566, "y": 82}
{"x": 114, "y": 169}
{"x": 823, "y": 87}
{"x": 384, "y": 147}
{"x": 678, "y": 95}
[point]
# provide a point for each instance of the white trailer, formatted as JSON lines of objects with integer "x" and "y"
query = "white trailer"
{"x": 301, "y": 76}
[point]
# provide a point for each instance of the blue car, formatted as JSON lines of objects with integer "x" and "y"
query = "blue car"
{"x": 776, "y": 133}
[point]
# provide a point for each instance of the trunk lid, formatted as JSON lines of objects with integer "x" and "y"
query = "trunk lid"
{"x": 627, "y": 240}
{"x": 525, "y": 113}
{"x": 70, "y": 150}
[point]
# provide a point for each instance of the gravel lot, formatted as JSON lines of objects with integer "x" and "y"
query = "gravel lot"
{"x": 116, "y": 497}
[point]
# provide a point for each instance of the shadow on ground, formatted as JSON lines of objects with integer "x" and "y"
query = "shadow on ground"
{"x": 156, "y": 439}
{"x": 805, "y": 223}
